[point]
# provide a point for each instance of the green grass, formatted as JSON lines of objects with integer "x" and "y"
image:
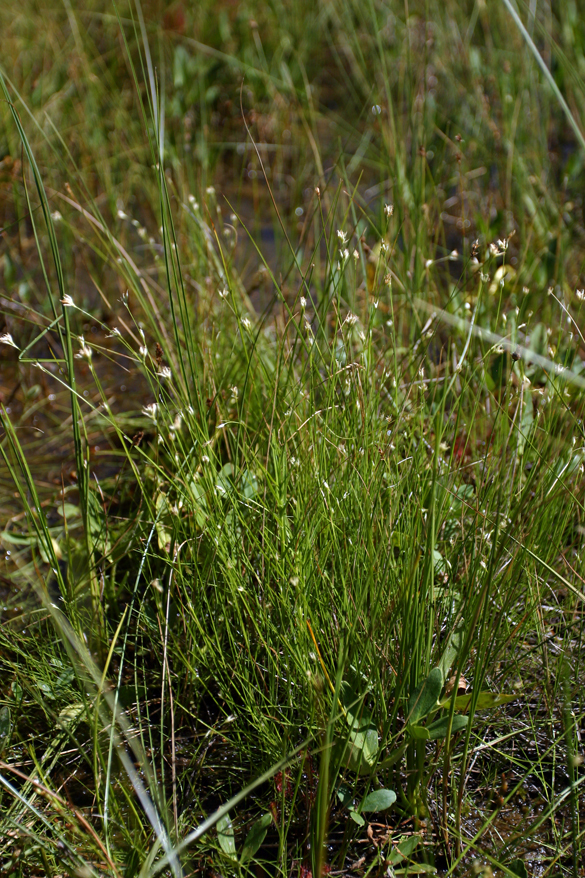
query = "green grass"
{"x": 293, "y": 443}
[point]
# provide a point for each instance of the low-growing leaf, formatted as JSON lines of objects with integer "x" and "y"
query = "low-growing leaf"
{"x": 440, "y": 727}
{"x": 425, "y": 697}
{"x": 518, "y": 867}
{"x": 70, "y": 714}
{"x": 357, "y": 818}
{"x": 419, "y": 733}
{"x": 485, "y": 700}
{"x": 255, "y": 837}
{"x": 225, "y": 836}
{"x": 403, "y": 849}
{"x": 5, "y": 725}
{"x": 378, "y": 800}
{"x": 394, "y": 757}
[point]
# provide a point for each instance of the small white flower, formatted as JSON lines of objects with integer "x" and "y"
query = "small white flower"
{"x": 498, "y": 247}
{"x": 84, "y": 352}
{"x": 7, "y": 339}
{"x": 56, "y": 216}
{"x": 115, "y": 333}
{"x": 385, "y": 247}
{"x": 247, "y": 323}
{"x": 204, "y": 459}
{"x": 308, "y": 327}
{"x": 164, "y": 372}
{"x": 388, "y": 209}
{"x": 223, "y": 294}
{"x": 304, "y": 302}
{"x": 351, "y": 319}
{"x": 143, "y": 351}
{"x": 345, "y": 254}
{"x": 342, "y": 236}
{"x": 235, "y": 391}
{"x": 210, "y": 190}
{"x": 122, "y": 215}
{"x": 356, "y": 255}
{"x": 193, "y": 202}
{"x": 150, "y": 411}
{"x": 67, "y": 301}
{"x": 580, "y": 294}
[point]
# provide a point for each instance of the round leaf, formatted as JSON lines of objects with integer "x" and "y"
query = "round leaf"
{"x": 378, "y": 800}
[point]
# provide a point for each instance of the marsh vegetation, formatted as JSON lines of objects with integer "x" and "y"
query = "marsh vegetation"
{"x": 292, "y": 382}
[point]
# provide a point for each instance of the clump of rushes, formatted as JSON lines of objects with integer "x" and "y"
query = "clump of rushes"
{"x": 295, "y": 566}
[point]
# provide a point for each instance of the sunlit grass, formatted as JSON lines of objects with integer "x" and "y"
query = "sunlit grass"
{"x": 297, "y": 441}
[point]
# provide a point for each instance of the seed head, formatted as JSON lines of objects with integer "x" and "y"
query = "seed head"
{"x": 7, "y": 339}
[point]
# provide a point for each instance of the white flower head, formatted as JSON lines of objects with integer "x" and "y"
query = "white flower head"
{"x": 115, "y": 333}
{"x": 388, "y": 209}
{"x": 580, "y": 294}
{"x": 84, "y": 352}
{"x": 498, "y": 247}
{"x": 164, "y": 372}
{"x": 122, "y": 215}
{"x": 342, "y": 236}
{"x": 247, "y": 323}
{"x": 223, "y": 294}
{"x": 303, "y": 302}
{"x": 7, "y": 339}
{"x": 351, "y": 319}
{"x": 143, "y": 351}
{"x": 67, "y": 301}
{"x": 150, "y": 411}
{"x": 56, "y": 216}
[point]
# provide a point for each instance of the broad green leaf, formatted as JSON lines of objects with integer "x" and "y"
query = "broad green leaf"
{"x": 68, "y": 510}
{"x": 425, "y": 698}
{"x": 518, "y": 867}
{"x": 361, "y": 748}
{"x": 393, "y": 758}
{"x": 440, "y": 564}
{"x": 345, "y": 795}
{"x": 403, "y": 849}
{"x": 378, "y": 800}
{"x": 526, "y": 422}
{"x": 416, "y": 869}
{"x": 224, "y": 482}
{"x": 5, "y": 725}
{"x": 199, "y": 504}
{"x": 248, "y": 484}
{"x": 357, "y": 818}
{"x": 225, "y": 836}
{"x": 162, "y": 534}
{"x": 439, "y": 728}
{"x": 70, "y": 714}
{"x": 450, "y": 652}
{"x": 255, "y": 837}
{"x": 419, "y": 733}
{"x": 485, "y": 700}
